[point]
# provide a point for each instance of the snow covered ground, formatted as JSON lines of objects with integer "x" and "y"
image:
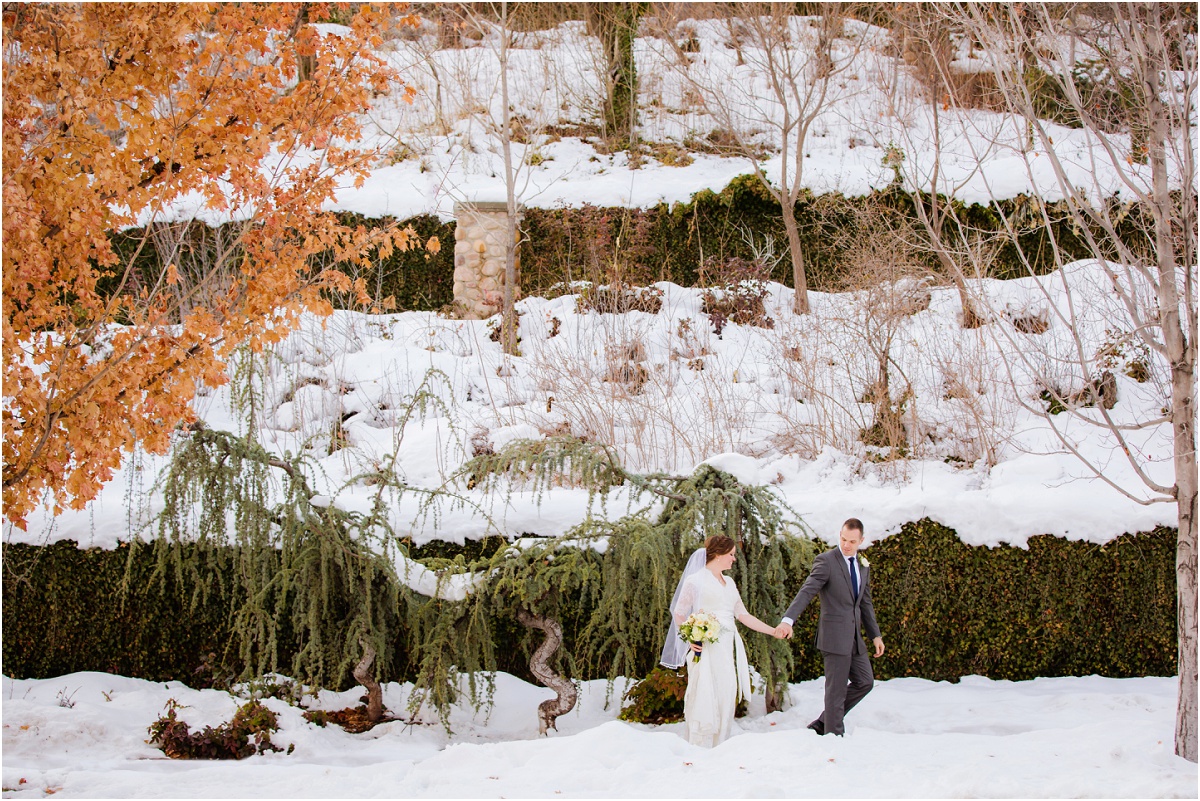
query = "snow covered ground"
{"x": 777, "y": 406}
{"x": 444, "y": 147}
{"x": 782, "y": 406}
{"x": 83, "y": 735}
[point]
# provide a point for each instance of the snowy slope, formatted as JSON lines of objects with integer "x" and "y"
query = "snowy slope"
{"x": 776, "y": 406}
{"x": 444, "y": 147}
{"x": 1087, "y": 737}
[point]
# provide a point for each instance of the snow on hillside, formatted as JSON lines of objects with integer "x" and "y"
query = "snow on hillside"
{"x": 779, "y": 406}
{"x": 83, "y": 735}
{"x": 444, "y": 147}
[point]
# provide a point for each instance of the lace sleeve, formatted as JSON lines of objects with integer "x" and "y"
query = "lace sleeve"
{"x": 686, "y": 603}
{"x": 739, "y": 608}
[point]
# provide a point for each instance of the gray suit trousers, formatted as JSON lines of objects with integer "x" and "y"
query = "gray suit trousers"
{"x": 840, "y": 696}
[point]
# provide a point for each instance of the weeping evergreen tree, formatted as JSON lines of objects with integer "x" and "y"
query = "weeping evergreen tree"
{"x": 325, "y": 581}
{"x": 307, "y": 575}
{"x": 631, "y": 566}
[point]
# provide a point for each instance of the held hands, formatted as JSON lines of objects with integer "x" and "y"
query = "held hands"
{"x": 784, "y": 632}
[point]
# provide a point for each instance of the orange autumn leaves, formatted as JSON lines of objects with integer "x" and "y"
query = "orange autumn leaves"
{"x": 119, "y": 115}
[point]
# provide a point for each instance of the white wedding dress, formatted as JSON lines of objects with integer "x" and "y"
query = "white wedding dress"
{"x": 722, "y": 676}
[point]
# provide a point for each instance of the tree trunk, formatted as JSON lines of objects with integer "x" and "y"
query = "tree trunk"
{"x": 800, "y": 305}
{"x": 539, "y": 665}
{"x": 509, "y": 320}
{"x": 970, "y": 318}
{"x": 307, "y": 63}
{"x": 1185, "y": 577}
{"x": 364, "y": 676}
{"x": 615, "y": 24}
{"x": 508, "y": 310}
{"x": 1182, "y": 357}
{"x": 934, "y": 220}
{"x": 776, "y": 689}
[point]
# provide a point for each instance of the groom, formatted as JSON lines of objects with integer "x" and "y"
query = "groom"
{"x": 844, "y": 584}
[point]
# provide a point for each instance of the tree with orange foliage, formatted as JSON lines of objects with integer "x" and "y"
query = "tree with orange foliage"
{"x": 130, "y": 115}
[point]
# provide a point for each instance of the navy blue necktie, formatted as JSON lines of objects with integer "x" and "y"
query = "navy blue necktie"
{"x": 853, "y": 578}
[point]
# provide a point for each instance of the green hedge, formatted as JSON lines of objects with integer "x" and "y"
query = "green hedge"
{"x": 671, "y": 242}
{"x": 1058, "y": 608}
{"x": 946, "y": 610}
{"x": 416, "y": 279}
{"x": 64, "y": 611}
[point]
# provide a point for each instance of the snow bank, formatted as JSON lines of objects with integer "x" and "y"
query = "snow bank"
{"x": 83, "y": 735}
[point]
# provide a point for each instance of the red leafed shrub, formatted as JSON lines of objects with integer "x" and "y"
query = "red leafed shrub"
{"x": 249, "y": 733}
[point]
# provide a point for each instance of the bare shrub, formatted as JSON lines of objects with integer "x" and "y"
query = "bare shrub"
{"x": 888, "y": 284}
{"x": 815, "y": 411}
{"x": 619, "y": 299}
{"x": 655, "y": 415}
{"x": 631, "y": 351}
{"x": 962, "y": 415}
{"x": 737, "y": 291}
{"x": 632, "y": 375}
{"x": 1035, "y": 323}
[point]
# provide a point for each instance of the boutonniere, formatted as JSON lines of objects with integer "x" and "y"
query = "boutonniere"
{"x": 862, "y": 560}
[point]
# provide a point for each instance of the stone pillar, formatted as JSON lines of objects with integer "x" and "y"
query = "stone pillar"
{"x": 479, "y": 254}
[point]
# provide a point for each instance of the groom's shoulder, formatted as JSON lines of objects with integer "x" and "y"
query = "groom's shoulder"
{"x": 820, "y": 559}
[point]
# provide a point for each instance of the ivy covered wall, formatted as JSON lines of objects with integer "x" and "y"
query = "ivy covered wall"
{"x": 946, "y": 610}
{"x": 673, "y": 242}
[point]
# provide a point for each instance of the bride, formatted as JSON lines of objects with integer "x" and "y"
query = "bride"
{"x": 722, "y": 676}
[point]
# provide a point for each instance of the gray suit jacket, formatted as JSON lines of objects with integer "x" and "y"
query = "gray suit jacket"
{"x": 842, "y": 617}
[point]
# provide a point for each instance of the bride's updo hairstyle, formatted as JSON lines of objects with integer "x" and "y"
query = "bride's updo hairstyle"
{"x": 717, "y": 545}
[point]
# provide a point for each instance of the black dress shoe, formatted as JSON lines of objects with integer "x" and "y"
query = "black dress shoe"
{"x": 818, "y": 727}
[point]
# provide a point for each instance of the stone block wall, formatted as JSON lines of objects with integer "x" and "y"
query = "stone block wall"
{"x": 479, "y": 255}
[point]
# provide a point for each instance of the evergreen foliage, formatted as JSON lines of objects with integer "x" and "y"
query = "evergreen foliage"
{"x": 947, "y": 610}
{"x": 658, "y": 698}
{"x": 622, "y": 572}
{"x": 315, "y": 575}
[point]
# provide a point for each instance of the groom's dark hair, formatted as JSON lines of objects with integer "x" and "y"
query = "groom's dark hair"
{"x": 854, "y": 524}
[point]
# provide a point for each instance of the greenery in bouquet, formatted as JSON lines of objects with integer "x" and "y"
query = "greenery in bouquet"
{"x": 699, "y": 628}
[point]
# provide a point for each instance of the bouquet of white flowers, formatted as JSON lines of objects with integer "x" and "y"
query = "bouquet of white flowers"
{"x": 699, "y": 628}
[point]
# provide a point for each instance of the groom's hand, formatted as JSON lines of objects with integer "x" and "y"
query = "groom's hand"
{"x": 783, "y": 631}
{"x": 878, "y": 647}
